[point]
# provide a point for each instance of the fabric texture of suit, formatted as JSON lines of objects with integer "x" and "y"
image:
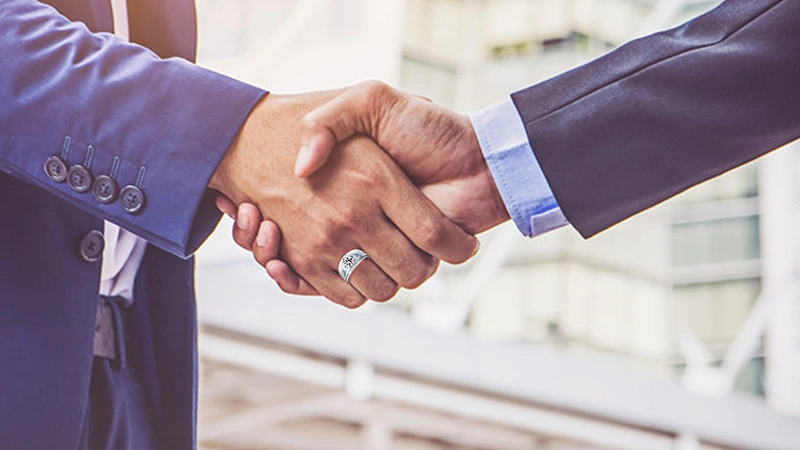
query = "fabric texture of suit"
{"x": 168, "y": 123}
{"x": 666, "y": 112}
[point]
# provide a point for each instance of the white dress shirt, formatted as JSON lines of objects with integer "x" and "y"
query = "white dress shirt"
{"x": 123, "y": 251}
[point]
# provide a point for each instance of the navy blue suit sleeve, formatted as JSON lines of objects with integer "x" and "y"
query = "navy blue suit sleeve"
{"x": 166, "y": 121}
{"x": 668, "y": 111}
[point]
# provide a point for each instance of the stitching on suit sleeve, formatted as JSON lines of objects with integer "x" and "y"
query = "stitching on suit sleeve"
{"x": 89, "y": 157}
{"x": 115, "y": 167}
{"x": 140, "y": 178}
{"x": 65, "y": 147}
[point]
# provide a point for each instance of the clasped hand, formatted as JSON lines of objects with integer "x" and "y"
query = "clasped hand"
{"x": 368, "y": 167}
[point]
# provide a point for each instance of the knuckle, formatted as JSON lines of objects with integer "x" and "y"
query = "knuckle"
{"x": 415, "y": 279}
{"x": 362, "y": 227}
{"x": 334, "y": 228}
{"x": 309, "y": 121}
{"x": 379, "y": 178}
{"x": 240, "y": 241}
{"x": 264, "y": 254}
{"x": 240, "y": 237}
{"x": 350, "y": 219}
{"x": 346, "y": 217}
{"x": 302, "y": 266}
{"x": 261, "y": 259}
{"x": 432, "y": 265}
{"x": 344, "y": 296}
{"x": 283, "y": 286}
{"x": 352, "y": 302}
{"x": 386, "y": 292}
{"x": 327, "y": 249}
{"x": 382, "y": 289}
{"x": 460, "y": 258}
{"x": 378, "y": 95}
{"x": 375, "y": 88}
{"x": 374, "y": 177}
{"x": 432, "y": 233}
{"x": 320, "y": 241}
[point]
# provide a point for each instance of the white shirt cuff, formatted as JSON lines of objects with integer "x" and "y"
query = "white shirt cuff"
{"x": 515, "y": 169}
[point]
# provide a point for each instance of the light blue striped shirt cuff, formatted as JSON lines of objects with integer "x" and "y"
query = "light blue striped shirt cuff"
{"x": 519, "y": 178}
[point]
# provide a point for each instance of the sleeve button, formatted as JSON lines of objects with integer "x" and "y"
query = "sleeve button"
{"x": 56, "y": 169}
{"x": 132, "y": 199}
{"x": 79, "y": 178}
{"x": 105, "y": 189}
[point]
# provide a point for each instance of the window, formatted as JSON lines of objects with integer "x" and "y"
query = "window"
{"x": 715, "y": 241}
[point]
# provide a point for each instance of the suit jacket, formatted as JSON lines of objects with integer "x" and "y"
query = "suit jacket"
{"x": 165, "y": 124}
{"x": 668, "y": 111}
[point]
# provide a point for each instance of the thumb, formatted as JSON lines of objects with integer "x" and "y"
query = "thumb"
{"x": 226, "y": 206}
{"x": 315, "y": 152}
{"x": 355, "y": 111}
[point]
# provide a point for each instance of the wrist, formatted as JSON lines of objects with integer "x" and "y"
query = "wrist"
{"x": 264, "y": 150}
{"x": 224, "y": 177}
{"x": 494, "y": 209}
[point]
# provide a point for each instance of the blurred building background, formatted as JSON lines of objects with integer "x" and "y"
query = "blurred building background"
{"x": 678, "y": 329}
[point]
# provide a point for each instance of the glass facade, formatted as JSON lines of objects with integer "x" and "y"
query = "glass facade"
{"x": 715, "y": 241}
{"x": 716, "y": 257}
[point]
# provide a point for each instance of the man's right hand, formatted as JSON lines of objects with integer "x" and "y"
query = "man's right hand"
{"x": 360, "y": 199}
{"x": 437, "y": 148}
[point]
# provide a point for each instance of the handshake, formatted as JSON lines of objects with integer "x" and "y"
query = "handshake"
{"x": 324, "y": 179}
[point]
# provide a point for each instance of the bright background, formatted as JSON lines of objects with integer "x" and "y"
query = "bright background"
{"x": 678, "y": 329}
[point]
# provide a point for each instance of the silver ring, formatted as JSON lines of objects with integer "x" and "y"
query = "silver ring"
{"x": 350, "y": 261}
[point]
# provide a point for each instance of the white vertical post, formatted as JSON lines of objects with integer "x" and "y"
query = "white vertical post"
{"x": 780, "y": 253}
{"x": 377, "y": 435}
{"x": 359, "y": 381}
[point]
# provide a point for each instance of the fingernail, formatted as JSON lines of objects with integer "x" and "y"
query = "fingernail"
{"x": 303, "y": 158}
{"x": 243, "y": 222}
{"x": 262, "y": 239}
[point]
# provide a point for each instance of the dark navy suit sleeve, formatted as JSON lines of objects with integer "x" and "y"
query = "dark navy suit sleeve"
{"x": 166, "y": 122}
{"x": 668, "y": 111}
